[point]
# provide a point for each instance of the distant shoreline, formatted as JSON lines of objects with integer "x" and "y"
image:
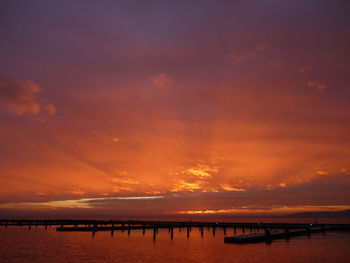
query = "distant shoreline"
{"x": 344, "y": 214}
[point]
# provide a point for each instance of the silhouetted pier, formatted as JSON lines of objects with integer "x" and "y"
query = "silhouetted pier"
{"x": 258, "y": 231}
{"x": 268, "y": 235}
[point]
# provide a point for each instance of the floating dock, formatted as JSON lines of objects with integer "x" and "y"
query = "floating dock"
{"x": 268, "y": 236}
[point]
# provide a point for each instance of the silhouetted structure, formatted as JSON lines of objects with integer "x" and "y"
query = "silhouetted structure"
{"x": 285, "y": 229}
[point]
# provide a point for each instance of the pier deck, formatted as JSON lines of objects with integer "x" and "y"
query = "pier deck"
{"x": 287, "y": 233}
{"x": 270, "y": 231}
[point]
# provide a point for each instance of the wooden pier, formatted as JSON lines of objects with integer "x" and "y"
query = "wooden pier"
{"x": 259, "y": 232}
{"x": 268, "y": 235}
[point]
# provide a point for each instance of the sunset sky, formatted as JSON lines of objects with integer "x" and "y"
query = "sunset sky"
{"x": 174, "y": 107}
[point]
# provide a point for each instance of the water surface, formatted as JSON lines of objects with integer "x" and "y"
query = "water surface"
{"x": 39, "y": 245}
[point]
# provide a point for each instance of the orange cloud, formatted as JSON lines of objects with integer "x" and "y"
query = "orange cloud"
{"x": 264, "y": 210}
{"x": 164, "y": 81}
{"x": 117, "y": 189}
{"x": 249, "y": 54}
{"x": 124, "y": 181}
{"x": 239, "y": 58}
{"x": 21, "y": 97}
{"x": 76, "y": 191}
{"x": 186, "y": 186}
{"x": 230, "y": 188}
{"x": 41, "y": 193}
{"x": 303, "y": 69}
{"x": 115, "y": 139}
{"x": 277, "y": 63}
{"x": 316, "y": 84}
{"x": 263, "y": 47}
{"x": 202, "y": 170}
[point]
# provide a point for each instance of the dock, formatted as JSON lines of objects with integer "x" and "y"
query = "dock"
{"x": 268, "y": 235}
{"x": 258, "y": 232}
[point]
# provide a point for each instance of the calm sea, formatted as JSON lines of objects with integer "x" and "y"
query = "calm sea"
{"x": 40, "y": 245}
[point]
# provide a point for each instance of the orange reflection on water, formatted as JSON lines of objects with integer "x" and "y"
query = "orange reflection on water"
{"x": 38, "y": 245}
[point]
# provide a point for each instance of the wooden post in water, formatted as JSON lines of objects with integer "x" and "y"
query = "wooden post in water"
{"x": 201, "y": 231}
{"x": 188, "y": 231}
{"x": 154, "y": 233}
{"x": 172, "y": 232}
{"x": 129, "y": 229}
{"x": 308, "y": 231}
{"x": 214, "y": 230}
{"x": 143, "y": 230}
